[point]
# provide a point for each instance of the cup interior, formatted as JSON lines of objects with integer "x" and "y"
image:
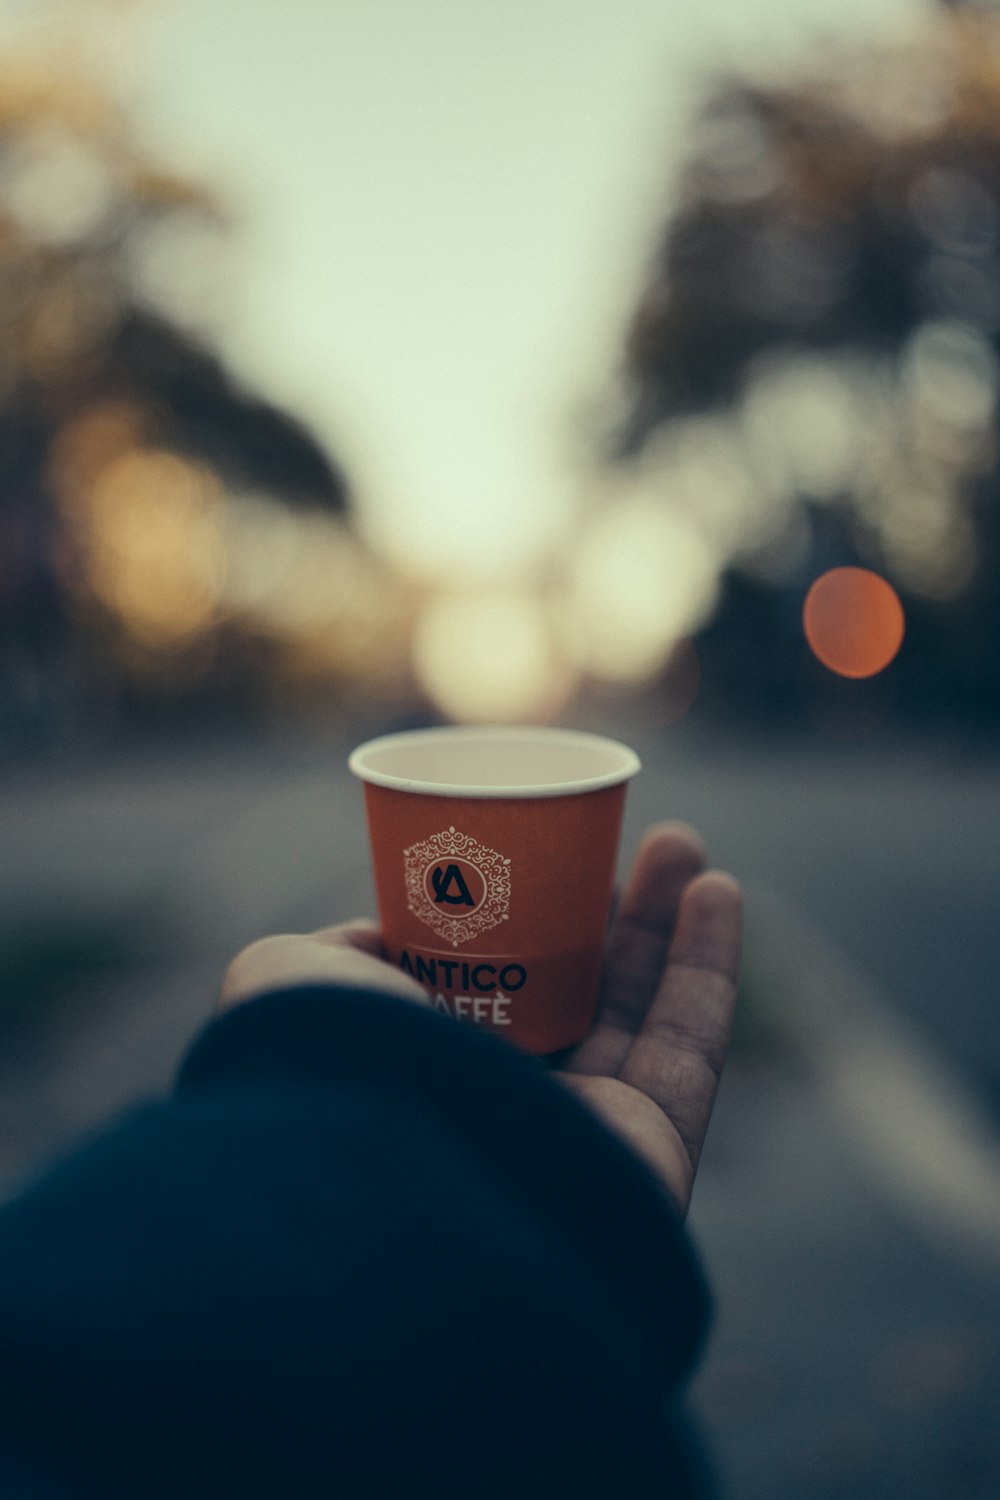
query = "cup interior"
{"x": 494, "y": 762}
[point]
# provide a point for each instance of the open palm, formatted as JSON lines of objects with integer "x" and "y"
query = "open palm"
{"x": 650, "y": 1067}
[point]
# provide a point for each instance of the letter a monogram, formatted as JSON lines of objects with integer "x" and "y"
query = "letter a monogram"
{"x": 450, "y": 888}
{"x": 456, "y": 886}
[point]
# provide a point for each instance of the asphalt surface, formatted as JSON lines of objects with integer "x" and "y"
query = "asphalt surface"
{"x": 837, "y": 1207}
{"x": 893, "y": 851}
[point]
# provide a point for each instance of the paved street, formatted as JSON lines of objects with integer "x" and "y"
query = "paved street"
{"x": 844, "y": 1205}
{"x": 895, "y": 854}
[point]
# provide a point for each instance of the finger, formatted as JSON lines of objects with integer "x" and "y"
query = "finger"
{"x": 677, "y": 1057}
{"x": 347, "y": 956}
{"x": 361, "y": 933}
{"x": 670, "y": 855}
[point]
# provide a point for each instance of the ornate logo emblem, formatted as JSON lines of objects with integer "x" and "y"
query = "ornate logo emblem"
{"x": 456, "y": 885}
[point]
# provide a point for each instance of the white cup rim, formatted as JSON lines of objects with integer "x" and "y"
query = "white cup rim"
{"x": 626, "y": 763}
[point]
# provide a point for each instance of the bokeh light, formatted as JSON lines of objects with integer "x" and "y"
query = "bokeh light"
{"x": 490, "y": 658}
{"x": 58, "y": 189}
{"x": 950, "y": 374}
{"x": 186, "y": 568}
{"x": 802, "y": 424}
{"x": 643, "y": 577}
{"x": 853, "y": 621}
{"x": 153, "y": 545}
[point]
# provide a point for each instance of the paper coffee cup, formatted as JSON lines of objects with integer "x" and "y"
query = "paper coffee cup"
{"x": 494, "y": 855}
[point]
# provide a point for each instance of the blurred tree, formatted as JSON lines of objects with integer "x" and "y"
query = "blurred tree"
{"x": 121, "y": 436}
{"x": 829, "y": 291}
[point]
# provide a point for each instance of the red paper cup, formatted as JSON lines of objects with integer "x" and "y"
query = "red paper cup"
{"x": 494, "y": 854}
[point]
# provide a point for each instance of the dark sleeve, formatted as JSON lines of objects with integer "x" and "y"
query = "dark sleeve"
{"x": 363, "y": 1250}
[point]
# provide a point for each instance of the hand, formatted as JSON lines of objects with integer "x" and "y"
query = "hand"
{"x": 352, "y": 953}
{"x": 650, "y": 1068}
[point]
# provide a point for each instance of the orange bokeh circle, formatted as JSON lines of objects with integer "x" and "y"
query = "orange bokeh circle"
{"x": 853, "y": 621}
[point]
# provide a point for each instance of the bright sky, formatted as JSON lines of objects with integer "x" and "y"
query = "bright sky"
{"x": 444, "y": 212}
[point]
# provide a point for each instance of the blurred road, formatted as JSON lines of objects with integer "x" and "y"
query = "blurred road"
{"x": 847, "y": 1208}
{"x": 895, "y": 854}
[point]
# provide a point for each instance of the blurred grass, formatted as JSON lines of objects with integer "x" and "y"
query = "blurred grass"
{"x": 52, "y": 961}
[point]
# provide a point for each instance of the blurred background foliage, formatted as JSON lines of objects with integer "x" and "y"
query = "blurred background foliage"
{"x": 812, "y": 371}
{"x": 810, "y": 380}
{"x": 168, "y": 540}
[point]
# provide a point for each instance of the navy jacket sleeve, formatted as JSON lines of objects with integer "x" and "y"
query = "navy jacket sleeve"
{"x": 363, "y": 1250}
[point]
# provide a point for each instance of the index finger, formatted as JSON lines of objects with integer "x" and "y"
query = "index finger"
{"x": 669, "y": 856}
{"x": 676, "y": 1058}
